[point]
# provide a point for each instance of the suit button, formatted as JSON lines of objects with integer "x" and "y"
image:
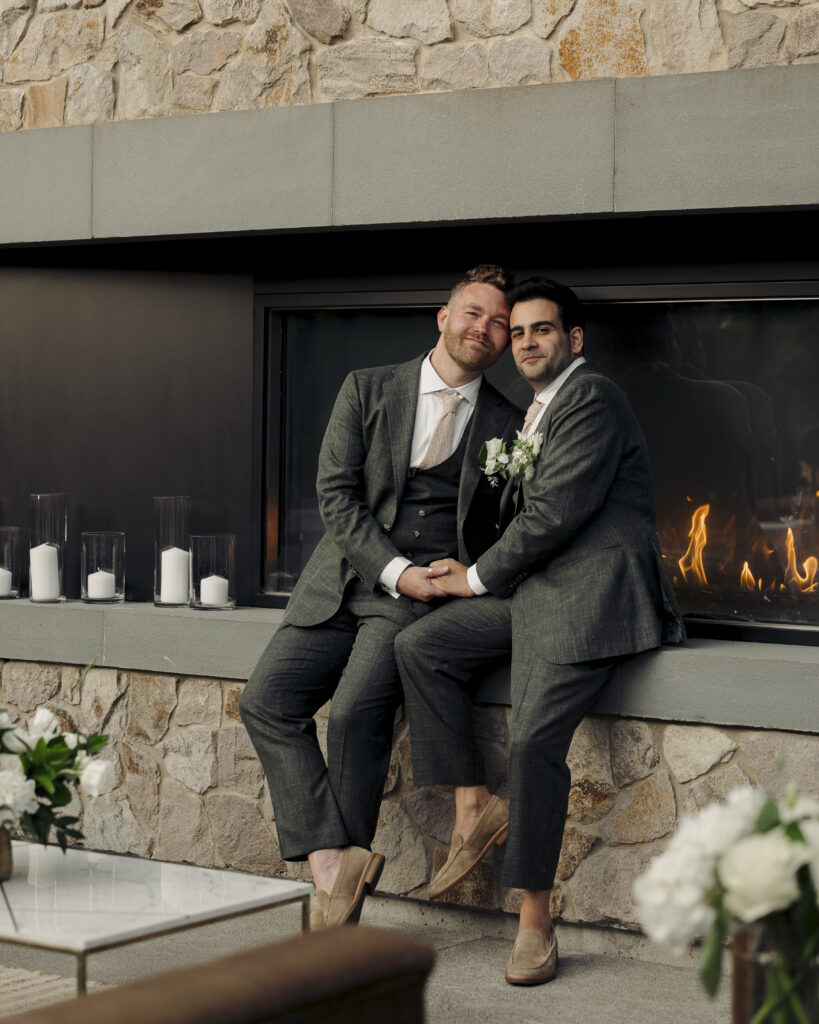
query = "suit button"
{"x": 387, "y": 527}
{"x": 421, "y": 512}
{"x": 416, "y": 533}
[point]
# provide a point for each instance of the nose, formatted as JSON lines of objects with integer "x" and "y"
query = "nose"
{"x": 526, "y": 340}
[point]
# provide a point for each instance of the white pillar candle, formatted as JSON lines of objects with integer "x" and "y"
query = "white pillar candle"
{"x": 213, "y": 590}
{"x": 5, "y": 582}
{"x": 175, "y": 570}
{"x": 44, "y": 575}
{"x": 101, "y": 585}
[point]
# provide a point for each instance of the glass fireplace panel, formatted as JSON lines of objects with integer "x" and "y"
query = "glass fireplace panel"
{"x": 726, "y": 393}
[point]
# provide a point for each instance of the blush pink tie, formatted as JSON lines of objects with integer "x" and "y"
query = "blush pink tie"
{"x": 440, "y": 444}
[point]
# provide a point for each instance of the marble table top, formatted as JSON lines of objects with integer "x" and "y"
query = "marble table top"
{"x": 81, "y": 901}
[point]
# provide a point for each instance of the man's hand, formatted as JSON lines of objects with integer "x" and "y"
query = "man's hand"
{"x": 417, "y": 581}
{"x": 455, "y": 582}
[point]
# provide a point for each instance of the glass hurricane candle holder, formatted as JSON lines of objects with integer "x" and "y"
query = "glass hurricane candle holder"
{"x": 102, "y": 567}
{"x": 213, "y": 576}
{"x": 172, "y": 560}
{"x": 11, "y": 553}
{"x": 49, "y": 534}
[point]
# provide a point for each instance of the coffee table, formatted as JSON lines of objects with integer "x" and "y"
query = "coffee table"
{"x": 82, "y": 902}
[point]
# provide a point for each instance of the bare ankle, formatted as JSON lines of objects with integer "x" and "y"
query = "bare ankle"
{"x": 324, "y": 866}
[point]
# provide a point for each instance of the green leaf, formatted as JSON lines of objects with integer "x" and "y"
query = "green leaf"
{"x": 45, "y": 783}
{"x": 711, "y": 962}
{"x": 794, "y": 832}
{"x": 768, "y": 816}
{"x": 95, "y": 743}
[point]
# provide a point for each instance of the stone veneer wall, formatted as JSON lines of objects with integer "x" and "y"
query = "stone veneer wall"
{"x": 188, "y": 786}
{"x": 86, "y": 61}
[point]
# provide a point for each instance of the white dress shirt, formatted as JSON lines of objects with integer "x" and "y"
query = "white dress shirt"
{"x": 545, "y": 397}
{"x": 427, "y": 414}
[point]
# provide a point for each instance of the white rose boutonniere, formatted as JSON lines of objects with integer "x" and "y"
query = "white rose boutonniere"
{"x": 498, "y": 464}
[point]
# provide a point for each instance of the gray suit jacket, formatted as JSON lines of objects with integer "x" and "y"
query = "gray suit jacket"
{"x": 362, "y": 470}
{"x": 581, "y": 560}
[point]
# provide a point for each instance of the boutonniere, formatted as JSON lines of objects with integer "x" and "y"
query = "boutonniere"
{"x": 497, "y": 463}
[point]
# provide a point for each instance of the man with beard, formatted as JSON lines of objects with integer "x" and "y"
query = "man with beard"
{"x": 574, "y": 584}
{"x": 399, "y": 486}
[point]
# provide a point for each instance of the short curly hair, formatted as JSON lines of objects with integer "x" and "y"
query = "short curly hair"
{"x": 484, "y": 273}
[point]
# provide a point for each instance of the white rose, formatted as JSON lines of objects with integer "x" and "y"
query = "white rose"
{"x": 759, "y": 874}
{"x": 17, "y": 794}
{"x": 97, "y": 777}
{"x": 71, "y": 740}
{"x": 503, "y": 459}
{"x": 493, "y": 448}
{"x": 44, "y": 724}
{"x": 799, "y": 808}
{"x": 16, "y": 741}
{"x": 5, "y": 721}
{"x": 489, "y": 468}
{"x": 537, "y": 441}
{"x": 10, "y": 763}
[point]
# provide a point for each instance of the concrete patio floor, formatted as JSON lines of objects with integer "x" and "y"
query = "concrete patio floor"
{"x": 600, "y": 975}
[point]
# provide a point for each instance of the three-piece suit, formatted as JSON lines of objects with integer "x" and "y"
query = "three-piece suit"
{"x": 337, "y": 637}
{"x": 576, "y": 582}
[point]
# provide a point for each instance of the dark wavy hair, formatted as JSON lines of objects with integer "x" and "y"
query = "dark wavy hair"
{"x": 568, "y": 304}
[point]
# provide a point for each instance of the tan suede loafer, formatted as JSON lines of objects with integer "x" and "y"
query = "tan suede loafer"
{"x": 490, "y": 828}
{"x": 534, "y": 958}
{"x": 358, "y": 875}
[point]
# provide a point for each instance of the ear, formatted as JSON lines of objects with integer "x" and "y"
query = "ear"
{"x": 576, "y": 338}
{"x": 443, "y": 316}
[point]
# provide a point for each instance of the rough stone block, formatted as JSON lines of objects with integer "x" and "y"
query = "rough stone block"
{"x": 454, "y": 66}
{"x": 802, "y": 39}
{"x": 520, "y": 60}
{"x": 603, "y": 39}
{"x": 242, "y": 838}
{"x": 151, "y": 700}
{"x": 225, "y": 12}
{"x": 176, "y": 14}
{"x": 101, "y": 690}
{"x": 190, "y": 757}
{"x": 141, "y": 783}
{"x": 646, "y": 811}
{"x": 425, "y": 20}
{"x": 184, "y": 828}
{"x": 403, "y": 846}
{"x": 590, "y": 763}
{"x": 692, "y": 750}
{"x": 797, "y": 753}
{"x": 109, "y": 825}
{"x": 480, "y": 888}
{"x": 547, "y": 15}
{"x": 577, "y": 845}
{"x": 44, "y": 105}
{"x": 200, "y": 703}
{"x": 204, "y": 52}
{"x": 492, "y": 17}
{"x": 753, "y": 39}
{"x": 232, "y": 695}
{"x": 325, "y": 20}
{"x": 634, "y": 754}
{"x": 433, "y": 811}
{"x": 54, "y": 43}
{"x": 145, "y": 74}
{"x": 14, "y": 18}
{"x": 90, "y": 95}
{"x": 11, "y": 109}
{"x": 601, "y": 886}
{"x": 367, "y": 66}
{"x": 29, "y": 685}
{"x": 685, "y": 36}
{"x": 715, "y": 786}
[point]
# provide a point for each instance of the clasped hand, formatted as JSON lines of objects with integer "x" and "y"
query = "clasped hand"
{"x": 444, "y": 577}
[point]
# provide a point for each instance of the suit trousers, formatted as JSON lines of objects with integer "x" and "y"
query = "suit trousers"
{"x": 440, "y": 659}
{"x": 317, "y": 804}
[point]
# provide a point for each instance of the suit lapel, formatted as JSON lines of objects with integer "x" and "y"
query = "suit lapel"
{"x": 401, "y": 400}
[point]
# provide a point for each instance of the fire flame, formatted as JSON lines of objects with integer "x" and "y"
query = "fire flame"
{"x": 805, "y": 583}
{"x": 691, "y": 561}
{"x": 746, "y": 578}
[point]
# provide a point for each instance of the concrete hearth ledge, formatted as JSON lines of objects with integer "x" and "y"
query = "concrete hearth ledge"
{"x": 769, "y": 686}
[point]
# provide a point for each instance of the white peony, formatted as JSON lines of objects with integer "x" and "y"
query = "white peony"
{"x": 759, "y": 874}
{"x": 799, "y": 808}
{"x": 72, "y": 739}
{"x": 16, "y": 741}
{"x": 17, "y": 796}
{"x": 43, "y": 724}
{"x": 5, "y": 721}
{"x": 96, "y": 777}
{"x": 11, "y": 763}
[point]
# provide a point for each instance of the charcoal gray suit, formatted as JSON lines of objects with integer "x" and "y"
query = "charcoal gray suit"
{"x": 338, "y": 633}
{"x": 576, "y": 582}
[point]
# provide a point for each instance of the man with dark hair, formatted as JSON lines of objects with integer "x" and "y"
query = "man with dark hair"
{"x": 399, "y": 486}
{"x": 574, "y": 584}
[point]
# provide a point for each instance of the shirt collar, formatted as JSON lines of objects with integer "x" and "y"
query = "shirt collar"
{"x": 549, "y": 392}
{"x": 430, "y": 381}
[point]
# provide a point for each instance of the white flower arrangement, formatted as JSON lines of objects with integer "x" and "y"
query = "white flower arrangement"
{"x": 38, "y": 765}
{"x": 749, "y": 860}
{"x": 497, "y": 463}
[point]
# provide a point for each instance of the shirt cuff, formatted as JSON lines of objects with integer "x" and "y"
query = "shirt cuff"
{"x": 388, "y": 580}
{"x": 474, "y": 581}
